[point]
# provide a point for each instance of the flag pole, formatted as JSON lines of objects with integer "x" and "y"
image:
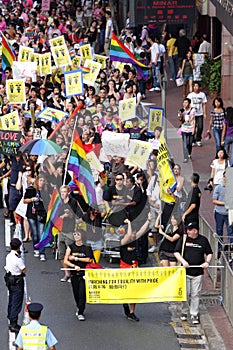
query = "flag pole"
{"x": 68, "y": 156}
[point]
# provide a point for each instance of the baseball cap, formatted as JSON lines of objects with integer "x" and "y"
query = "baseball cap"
{"x": 192, "y": 225}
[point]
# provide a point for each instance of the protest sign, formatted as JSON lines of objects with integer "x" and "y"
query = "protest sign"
{"x": 139, "y": 152}
{"x": 9, "y": 141}
{"x": 102, "y": 60}
{"x": 127, "y": 109}
{"x": 85, "y": 52}
{"x": 24, "y": 52}
{"x": 21, "y": 70}
{"x": 52, "y": 114}
{"x": 156, "y": 117}
{"x": 90, "y": 77}
{"x": 76, "y": 62}
{"x": 45, "y": 64}
{"x": 61, "y": 55}
{"x": 94, "y": 162}
{"x": 58, "y": 41}
{"x": 73, "y": 83}
{"x": 45, "y": 6}
{"x": 115, "y": 144}
{"x": 10, "y": 121}
{"x": 144, "y": 285}
{"x": 15, "y": 91}
{"x": 35, "y": 57}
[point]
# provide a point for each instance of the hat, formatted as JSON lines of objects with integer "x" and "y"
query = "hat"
{"x": 192, "y": 225}
{"x": 35, "y": 307}
{"x": 15, "y": 243}
{"x": 76, "y": 46}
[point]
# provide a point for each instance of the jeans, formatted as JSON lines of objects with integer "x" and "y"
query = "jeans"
{"x": 187, "y": 139}
{"x": 15, "y": 303}
{"x": 193, "y": 286}
{"x": 101, "y": 40}
{"x": 79, "y": 291}
{"x": 142, "y": 86}
{"x": 155, "y": 73}
{"x": 217, "y": 136}
{"x": 199, "y": 128}
{"x": 220, "y": 220}
{"x": 172, "y": 66}
{"x": 228, "y": 142}
{"x": 37, "y": 231}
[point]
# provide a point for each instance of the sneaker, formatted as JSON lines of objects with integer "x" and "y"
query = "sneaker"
{"x": 133, "y": 317}
{"x": 195, "y": 319}
{"x": 152, "y": 89}
{"x": 65, "y": 279}
{"x": 153, "y": 249}
{"x": 14, "y": 328}
{"x": 199, "y": 144}
{"x": 36, "y": 253}
{"x": 81, "y": 318}
{"x": 126, "y": 309}
{"x": 183, "y": 317}
{"x": 150, "y": 234}
{"x": 185, "y": 160}
{"x": 157, "y": 89}
{"x": 190, "y": 156}
{"x": 194, "y": 144}
{"x": 42, "y": 257}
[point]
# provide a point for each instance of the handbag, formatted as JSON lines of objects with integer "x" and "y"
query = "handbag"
{"x": 179, "y": 82}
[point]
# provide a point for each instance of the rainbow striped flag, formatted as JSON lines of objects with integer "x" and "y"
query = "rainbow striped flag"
{"x": 8, "y": 55}
{"x": 85, "y": 70}
{"x": 83, "y": 177}
{"x": 52, "y": 219}
{"x": 118, "y": 52}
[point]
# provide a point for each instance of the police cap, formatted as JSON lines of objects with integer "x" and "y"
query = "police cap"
{"x": 35, "y": 307}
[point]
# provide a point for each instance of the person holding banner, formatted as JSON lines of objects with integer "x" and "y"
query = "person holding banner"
{"x": 128, "y": 256}
{"x": 194, "y": 250}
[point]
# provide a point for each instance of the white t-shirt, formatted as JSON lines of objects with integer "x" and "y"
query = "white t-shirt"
{"x": 197, "y": 100}
{"x": 154, "y": 49}
{"x": 109, "y": 24}
{"x": 219, "y": 170}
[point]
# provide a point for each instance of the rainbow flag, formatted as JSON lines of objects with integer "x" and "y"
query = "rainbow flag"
{"x": 83, "y": 177}
{"x": 8, "y": 55}
{"x": 118, "y": 52}
{"x": 52, "y": 220}
{"x": 85, "y": 70}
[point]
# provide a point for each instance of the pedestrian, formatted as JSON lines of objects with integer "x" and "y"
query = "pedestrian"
{"x": 172, "y": 56}
{"x": 128, "y": 256}
{"x": 68, "y": 212}
{"x": 196, "y": 252}
{"x": 15, "y": 272}
{"x": 187, "y": 73}
{"x": 218, "y": 166}
{"x": 205, "y": 46}
{"x": 198, "y": 101}
{"x": 108, "y": 32}
{"x": 35, "y": 335}
{"x": 182, "y": 44}
{"x": 77, "y": 256}
{"x": 227, "y": 133}
{"x": 155, "y": 63}
{"x": 217, "y": 115}
{"x": 191, "y": 209}
{"x": 188, "y": 123}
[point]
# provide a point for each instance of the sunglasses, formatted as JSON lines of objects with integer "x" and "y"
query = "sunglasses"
{"x": 119, "y": 179}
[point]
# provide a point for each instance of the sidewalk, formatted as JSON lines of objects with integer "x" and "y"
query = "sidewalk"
{"x": 214, "y": 320}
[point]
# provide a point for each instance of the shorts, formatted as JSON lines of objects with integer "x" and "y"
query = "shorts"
{"x": 64, "y": 240}
{"x": 167, "y": 256}
{"x": 188, "y": 77}
{"x": 14, "y": 198}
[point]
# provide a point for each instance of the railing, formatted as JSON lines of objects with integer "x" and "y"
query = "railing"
{"x": 227, "y": 287}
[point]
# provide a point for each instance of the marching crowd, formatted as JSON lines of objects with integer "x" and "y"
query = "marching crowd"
{"x": 126, "y": 195}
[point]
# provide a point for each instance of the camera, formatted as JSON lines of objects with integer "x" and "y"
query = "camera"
{"x": 209, "y": 187}
{"x": 182, "y": 110}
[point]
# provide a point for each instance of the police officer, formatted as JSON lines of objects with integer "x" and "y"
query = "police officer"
{"x": 34, "y": 335}
{"x": 15, "y": 271}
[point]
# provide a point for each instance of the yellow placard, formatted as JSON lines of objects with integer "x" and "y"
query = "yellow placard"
{"x": 155, "y": 118}
{"x": 45, "y": 64}
{"x": 167, "y": 181}
{"x": 90, "y": 78}
{"x": 76, "y": 62}
{"x": 15, "y": 91}
{"x": 139, "y": 152}
{"x": 120, "y": 66}
{"x": 101, "y": 59}
{"x": 73, "y": 83}
{"x": 52, "y": 114}
{"x": 127, "y": 109}
{"x": 58, "y": 41}
{"x": 35, "y": 57}
{"x": 10, "y": 121}
{"x": 146, "y": 285}
{"x": 94, "y": 162}
{"x": 61, "y": 55}
{"x": 24, "y": 53}
{"x": 85, "y": 52}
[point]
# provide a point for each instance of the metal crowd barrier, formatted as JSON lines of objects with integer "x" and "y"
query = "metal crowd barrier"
{"x": 227, "y": 287}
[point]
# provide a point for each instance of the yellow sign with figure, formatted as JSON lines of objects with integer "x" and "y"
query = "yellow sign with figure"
{"x": 85, "y": 51}
{"x": 45, "y": 64}
{"x": 58, "y": 41}
{"x": 102, "y": 60}
{"x": 10, "y": 121}
{"x": 35, "y": 57}
{"x": 73, "y": 83}
{"x": 61, "y": 55}
{"x": 24, "y": 53}
{"x": 15, "y": 91}
{"x": 127, "y": 109}
{"x": 143, "y": 285}
{"x": 76, "y": 62}
{"x": 156, "y": 116}
{"x": 139, "y": 152}
{"x": 90, "y": 77}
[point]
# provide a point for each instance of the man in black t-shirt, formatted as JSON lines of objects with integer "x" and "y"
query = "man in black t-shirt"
{"x": 193, "y": 250}
{"x": 191, "y": 210}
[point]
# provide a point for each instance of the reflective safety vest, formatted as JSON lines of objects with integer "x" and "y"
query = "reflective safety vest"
{"x": 34, "y": 339}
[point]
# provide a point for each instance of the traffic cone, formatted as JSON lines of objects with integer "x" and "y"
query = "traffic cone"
{"x": 26, "y": 318}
